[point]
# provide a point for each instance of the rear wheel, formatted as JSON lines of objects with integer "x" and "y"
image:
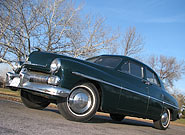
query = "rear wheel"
{"x": 33, "y": 101}
{"x": 164, "y": 121}
{"x": 117, "y": 117}
{"x": 81, "y": 104}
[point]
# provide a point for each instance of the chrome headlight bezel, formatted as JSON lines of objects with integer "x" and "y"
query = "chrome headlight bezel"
{"x": 55, "y": 65}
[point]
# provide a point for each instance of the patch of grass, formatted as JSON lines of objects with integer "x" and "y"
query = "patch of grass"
{"x": 9, "y": 92}
{"x": 181, "y": 121}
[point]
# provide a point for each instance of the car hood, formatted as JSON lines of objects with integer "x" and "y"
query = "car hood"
{"x": 42, "y": 60}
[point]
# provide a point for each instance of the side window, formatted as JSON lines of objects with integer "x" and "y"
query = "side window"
{"x": 135, "y": 69}
{"x": 125, "y": 67}
{"x": 108, "y": 61}
{"x": 132, "y": 68}
{"x": 156, "y": 81}
{"x": 151, "y": 77}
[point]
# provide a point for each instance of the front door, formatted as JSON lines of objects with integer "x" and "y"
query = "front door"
{"x": 134, "y": 94}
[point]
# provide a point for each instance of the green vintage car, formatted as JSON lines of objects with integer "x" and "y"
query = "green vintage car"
{"x": 118, "y": 85}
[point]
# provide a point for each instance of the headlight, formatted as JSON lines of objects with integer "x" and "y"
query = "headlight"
{"x": 55, "y": 65}
{"x": 53, "y": 80}
{"x": 18, "y": 66}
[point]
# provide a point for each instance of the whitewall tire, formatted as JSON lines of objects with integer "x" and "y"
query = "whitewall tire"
{"x": 81, "y": 104}
{"x": 164, "y": 122}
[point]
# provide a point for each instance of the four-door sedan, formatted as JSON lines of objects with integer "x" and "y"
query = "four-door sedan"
{"x": 118, "y": 85}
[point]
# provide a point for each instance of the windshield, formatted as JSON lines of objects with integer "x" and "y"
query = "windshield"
{"x": 106, "y": 61}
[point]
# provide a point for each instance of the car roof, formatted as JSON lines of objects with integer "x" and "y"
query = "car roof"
{"x": 124, "y": 57}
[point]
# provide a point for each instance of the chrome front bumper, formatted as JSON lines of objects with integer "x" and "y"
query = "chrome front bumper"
{"x": 22, "y": 81}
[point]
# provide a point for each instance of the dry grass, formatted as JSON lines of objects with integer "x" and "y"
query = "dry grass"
{"x": 9, "y": 92}
{"x": 180, "y": 121}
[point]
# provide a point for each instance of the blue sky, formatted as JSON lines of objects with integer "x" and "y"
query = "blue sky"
{"x": 160, "y": 22}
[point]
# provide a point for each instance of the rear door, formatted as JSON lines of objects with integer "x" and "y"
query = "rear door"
{"x": 155, "y": 94}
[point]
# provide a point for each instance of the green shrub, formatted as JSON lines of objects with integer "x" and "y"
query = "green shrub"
{"x": 183, "y": 112}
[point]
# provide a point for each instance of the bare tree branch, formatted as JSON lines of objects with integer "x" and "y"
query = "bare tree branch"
{"x": 51, "y": 25}
{"x": 168, "y": 68}
{"x": 132, "y": 42}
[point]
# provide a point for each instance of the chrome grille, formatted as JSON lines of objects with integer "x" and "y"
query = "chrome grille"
{"x": 38, "y": 77}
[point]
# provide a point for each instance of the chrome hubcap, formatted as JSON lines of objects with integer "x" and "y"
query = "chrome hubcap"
{"x": 79, "y": 101}
{"x": 165, "y": 119}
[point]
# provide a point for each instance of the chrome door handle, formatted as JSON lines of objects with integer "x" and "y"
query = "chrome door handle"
{"x": 146, "y": 82}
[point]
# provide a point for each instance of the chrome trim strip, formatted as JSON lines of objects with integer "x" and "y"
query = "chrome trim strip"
{"x": 95, "y": 79}
{"x": 33, "y": 64}
{"x": 135, "y": 92}
{"x": 171, "y": 105}
{"x": 156, "y": 99}
{"x": 99, "y": 80}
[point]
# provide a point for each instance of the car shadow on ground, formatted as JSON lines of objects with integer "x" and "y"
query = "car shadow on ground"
{"x": 106, "y": 119}
{"x": 52, "y": 110}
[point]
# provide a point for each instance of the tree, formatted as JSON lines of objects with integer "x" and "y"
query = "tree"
{"x": 168, "y": 69}
{"x": 18, "y": 26}
{"x": 92, "y": 37}
{"x": 52, "y": 25}
{"x": 132, "y": 42}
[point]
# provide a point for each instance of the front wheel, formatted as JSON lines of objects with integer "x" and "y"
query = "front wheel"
{"x": 33, "y": 101}
{"x": 164, "y": 121}
{"x": 81, "y": 104}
